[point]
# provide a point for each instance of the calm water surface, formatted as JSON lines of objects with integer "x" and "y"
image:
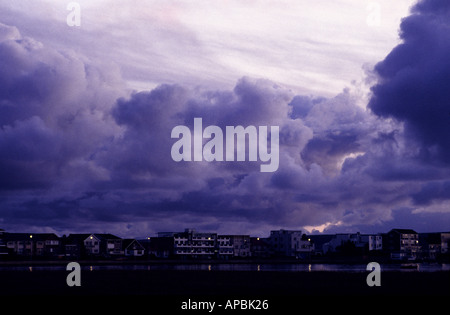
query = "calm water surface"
{"x": 286, "y": 267}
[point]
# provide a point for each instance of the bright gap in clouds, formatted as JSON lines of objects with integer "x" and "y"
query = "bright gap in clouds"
{"x": 320, "y": 228}
{"x": 352, "y": 155}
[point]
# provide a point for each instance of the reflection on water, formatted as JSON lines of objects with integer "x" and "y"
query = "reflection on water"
{"x": 286, "y": 267}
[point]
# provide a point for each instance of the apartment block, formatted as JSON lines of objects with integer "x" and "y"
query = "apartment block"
{"x": 289, "y": 243}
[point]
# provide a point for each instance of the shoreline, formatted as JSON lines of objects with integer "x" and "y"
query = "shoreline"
{"x": 236, "y": 267}
{"x": 65, "y": 261}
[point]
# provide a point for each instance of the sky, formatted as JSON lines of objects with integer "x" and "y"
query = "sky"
{"x": 90, "y": 92}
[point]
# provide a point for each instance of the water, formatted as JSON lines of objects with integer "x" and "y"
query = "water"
{"x": 283, "y": 267}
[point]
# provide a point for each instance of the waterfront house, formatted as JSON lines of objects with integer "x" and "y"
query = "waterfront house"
{"x": 3, "y": 249}
{"x": 237, "y": 246}
{"x": 375, "y": 242}
{"x": 102, "y": 245}
{"x": 73, "y": 245}
{"x": 32, "y": 244}
{"x": 402, "y": 244}
{"x": 290, "y": 243}
{"x": 225, "y": 247}
{"x": 159, "y": 247}
{"x": 445, "y": 244}
{"x": 132, "y": 247}
{"x": 259, "y": 247}
{"x": 430, "y": 244}
{"x": 191, "y": 244}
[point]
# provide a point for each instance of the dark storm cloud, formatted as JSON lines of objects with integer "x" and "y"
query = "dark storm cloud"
{"x": 414, "y": 80}
{"x": 413, "y": 88}
{"x": 433, "y": 191}
{"x": 74, "y": 153}
{"x": 53, "y": 122}
{"x": 148, "y": 118}
{"x": 51, "y": 111}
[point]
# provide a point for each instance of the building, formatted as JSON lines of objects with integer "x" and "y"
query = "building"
{"x": 289, "y": 243}
{"x": 115, "y": 246}
{"x": 430, "y": 245}
{"x": 241, "y": 245}
{"x": 32, "y": 244}
{"x": 320, "y": 243}
{"x": 375, "y": 242}
{"x": 159, "y": 247}
{"x": 73, "y": 245}
{"x": 3, "y": 249}
{"x": 353, "y": 243}
{"x": 191, "y": 244}
{"x": 397, "y": 244}
{"x": 402, "y": 244}
{"x": 282, "y": 242}
{"x": 338, "y": 241}
{"x": 225, "y": 247}
{"x": 445, "y": 244}
{"x": 260, "y": 248}
{"x": 237, "y": 246}
{"x": 434, "y": 246}
{"x": 103, "y": 245}
{"x": 133, "y": 248}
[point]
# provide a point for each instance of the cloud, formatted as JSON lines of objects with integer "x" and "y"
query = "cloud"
{"x": 433, "y": 191}
{"x": 52, "y": 110}
{"x": 80, "y": 152}
{"x": 413, "y": 80}
{"x": 317, "y": 47}
{"x": 412, "y": 89}
{"x": 75, "y": 144}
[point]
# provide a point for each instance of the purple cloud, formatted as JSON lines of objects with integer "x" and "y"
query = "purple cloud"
{"x": 78, "y": 152}
{"x": 413, "y": 80}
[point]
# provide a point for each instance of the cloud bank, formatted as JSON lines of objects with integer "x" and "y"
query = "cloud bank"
{"x": 81, "y": 153}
